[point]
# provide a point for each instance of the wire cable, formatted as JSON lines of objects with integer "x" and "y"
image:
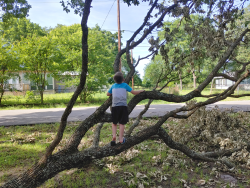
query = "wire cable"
{"x": 108, "y": 12}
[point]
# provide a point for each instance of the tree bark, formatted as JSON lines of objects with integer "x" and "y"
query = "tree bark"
{"x": 80, "y": 87}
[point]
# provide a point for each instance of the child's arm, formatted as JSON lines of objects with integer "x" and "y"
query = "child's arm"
{"x": 109, "y": 94}
{"x": 137, "y": 92}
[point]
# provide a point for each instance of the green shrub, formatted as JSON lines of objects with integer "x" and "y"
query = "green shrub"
{"x": 30, "y": 97}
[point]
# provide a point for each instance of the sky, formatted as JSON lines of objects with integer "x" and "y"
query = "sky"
{"x": 49, "y": 13}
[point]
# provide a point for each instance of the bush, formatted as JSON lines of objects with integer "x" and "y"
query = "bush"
{"x": 30, "y": 97}
{"x": 175, "y": 91}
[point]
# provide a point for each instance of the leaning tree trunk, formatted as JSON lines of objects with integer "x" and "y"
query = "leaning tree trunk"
{"x": 79, "y": 88}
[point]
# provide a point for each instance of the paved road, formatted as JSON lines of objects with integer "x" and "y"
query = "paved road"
{"x": 34, "y": 116}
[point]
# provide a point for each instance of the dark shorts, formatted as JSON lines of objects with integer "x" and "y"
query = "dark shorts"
{"x": 120, "y": 114}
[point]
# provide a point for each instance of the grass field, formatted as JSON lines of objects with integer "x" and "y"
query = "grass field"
{"x": 60, "y": 100}
{"x": 144, "y": 165}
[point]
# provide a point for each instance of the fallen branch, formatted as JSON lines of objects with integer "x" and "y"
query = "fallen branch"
{"x": 97, "y": 135}
{"x": 187, "y": 151}
{"x": 138, "y": 119}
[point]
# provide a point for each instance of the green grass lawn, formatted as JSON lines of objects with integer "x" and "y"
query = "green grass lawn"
{"x": 60, "y": 100}
{"x": 144, "y": 163}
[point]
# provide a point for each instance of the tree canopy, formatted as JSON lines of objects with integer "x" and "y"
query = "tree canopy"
{"x": 102, "y": 46}
{"x": 19, "y": 28}
{"x": 8, "y": 65}
{"x": 40, "y": 57}
{"x": 14, "y": 8}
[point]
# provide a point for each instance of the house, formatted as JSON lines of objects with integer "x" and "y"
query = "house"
{"x": 22, "y": 84}
{"x": 54, "y": 86}
{"x": 222, "y": 83}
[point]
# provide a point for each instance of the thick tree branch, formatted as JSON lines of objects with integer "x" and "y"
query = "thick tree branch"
{"x": 186, "y": 150}
{"x": 222, "y": 61}
{"x": 97, "y": 135}
{"x": 226, "y": 76}
{"x": 138, "y": 119}
{"x": 172, "y": 80}
{"x": 89, "y": 122}
{"x": 244, "y": 65}
{"x": 146, "y": 33}
{"x": 80, "y": 87}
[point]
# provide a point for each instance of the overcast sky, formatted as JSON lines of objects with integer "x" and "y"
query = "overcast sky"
{"x": 49, "y": 13}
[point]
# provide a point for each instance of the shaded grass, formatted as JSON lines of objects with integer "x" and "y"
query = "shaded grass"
{"x": 17, "y": 155}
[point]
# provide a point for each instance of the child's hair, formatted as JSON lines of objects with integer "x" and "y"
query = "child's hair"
{"x": 118, "y": 77}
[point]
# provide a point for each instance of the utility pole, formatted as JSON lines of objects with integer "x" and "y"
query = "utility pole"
{"x": 119, "y": 32}
{"x": 132, "y": 64}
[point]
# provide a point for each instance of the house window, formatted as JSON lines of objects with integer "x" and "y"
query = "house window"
{"x": 229, "y": 82}
{"x": 33, "y": 86}
{"x": 224, "y": 82}
{"x": 50, "y": 82}
{"x": 24, "y": 80}
{"x": 14, "y": 83}
{"x": 218, "y": 82}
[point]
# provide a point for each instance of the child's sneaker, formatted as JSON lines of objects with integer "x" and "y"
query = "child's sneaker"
{"x": 112, "y": 143}
{"x": 124, "y": 140}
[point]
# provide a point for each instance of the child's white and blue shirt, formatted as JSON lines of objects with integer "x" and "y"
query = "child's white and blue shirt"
{"x": 119, "y": 94}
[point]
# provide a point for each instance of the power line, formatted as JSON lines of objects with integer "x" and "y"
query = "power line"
{"x": 108, "y": 13}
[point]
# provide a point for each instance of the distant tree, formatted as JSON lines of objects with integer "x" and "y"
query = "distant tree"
{"x": 8, "y": 66}
{"x": 180, "y": 52}
{"x": 125, "y": 70}
{"x": 20, "y": 28}
{"x": 40, "y": 58}
{"x": 137, "y": 79}
{"x": 14, "y": 8}
{"x": 242, "y": 52}
{"x": 11, "y": 34}
{"x": 102, "y": 48}
{"x": 153, "y": 70}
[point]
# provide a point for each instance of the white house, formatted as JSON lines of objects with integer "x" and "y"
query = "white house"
{"x": 222, "y": 83}
{"x": 22, "y": 84}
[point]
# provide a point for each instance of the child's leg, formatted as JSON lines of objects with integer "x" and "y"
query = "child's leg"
{"x": 114, "y": 128}
{"x": 121, "y": 133}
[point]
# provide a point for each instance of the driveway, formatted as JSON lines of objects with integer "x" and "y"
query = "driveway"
{"x": 52, "y": 115}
